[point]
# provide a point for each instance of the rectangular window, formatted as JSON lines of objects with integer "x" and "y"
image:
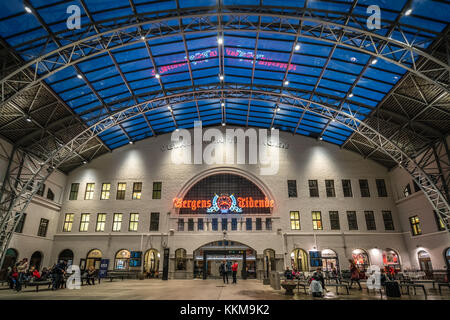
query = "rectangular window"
{"x": 215, "y": 224}
{"x": 134, "y": 222}
{"x": 117, "y": 222}
{"x": 317, "y": 220}
{"x": 200, "y": 224}
{"x": 84, "y": 222}
{"x": 157, "y": 187}
{"x": 234, "y": 224}
{"x": 329, "y": 186}
{"x": 416, "y": 186}
{"x": 43, "y": 226}
{"x": 381, "y": 187}
{"x": 295, "y": 220}
{"x": 190, "y": 224}
{"x": 224, "y": 224}
{"x": 415, "y": 225}
{"x": 68, "y": 222}
{"x": 268, "y": 223}
{"x": 50, "y": 194}
{"x": 347, "y": 188}
{"x": 180, "y": 224}
{"x": 248, "y": 224}
{"x": 137, "y": 191}
{"x": 292, "y": 188}
{"x": 388, "y": 222}
{"x": 439, "y": 222}
{"x": 352, "y": 220}
{"x": 101, "y": 222}
{"x": 121, "y": 188}
{"x": 74, "y": 191}
{"x": 89, "y": 194}
{"x": 313, "y": 188}
{"x": 364, "y": 186}
{"x": 106, "y": 190}
{"x": 334, "y": 220}
{"x": 258, "y": 224}
{"x": 21, "y": 223}
{"x": 154, "y": 221}
{"x": 370, "y": 220}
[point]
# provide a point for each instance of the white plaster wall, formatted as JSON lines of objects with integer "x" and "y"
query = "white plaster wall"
{"x": 305, "y": 159}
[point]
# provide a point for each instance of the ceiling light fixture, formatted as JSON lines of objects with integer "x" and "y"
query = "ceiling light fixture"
{"x": 130, "y": 142}
{"x": 221, "y": 77}
{"x": 28, "y": 118}
{"x": 220, "y": 40}
{"x": 157, "y": 76}
{"x": 177, "y": 129}
{"x": 84, "y": 161}
{"x": 278, "y": 109}
{"x": 223, "y": 124}
{"x": 286, "y": 83}
{"x": 79, "y": 76}
{"x": 350, "y": 95}
{"x": 353, "y": 59}
{"x": 297, "y": 47}
{"x": 374, "y": 61}
{"x": 320, "y": 138}
{"x": 27, "y": 9}
{"x": 169, "y": 108}
{"x": 408, "y": 12}
{"x": 273, "y": 128}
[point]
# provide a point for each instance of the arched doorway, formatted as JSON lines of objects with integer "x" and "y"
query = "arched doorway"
{"x": 66, "y": 255}
{"x": 361, "y": 259}
{"x": 36, "y": 259}
{"x": 10, "y": 260}
{"x": 391, "y": 259}
{"x": 329, "y": 260}
{"x": 207, "y": 259}
{"x": 268, "y": 262}
{"x": 93, "y": 258}
{"x": 425, "y": 263}
{"x": 122, "y": 260}
{"x": 151, "y": 262}
{"x": 299, "y": 260}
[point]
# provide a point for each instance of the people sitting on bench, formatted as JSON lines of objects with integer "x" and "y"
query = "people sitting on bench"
{"x": 288, "y": 274}
{"x": 90, "y": 275}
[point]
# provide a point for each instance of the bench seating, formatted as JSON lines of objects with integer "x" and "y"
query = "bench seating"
{"x": 37, "y": 284}
{"x": 375, "y": 291}
{"x": 443, "y": 284}
{"x": 414, "y": 286}
{"x": 338, "y": 285}
{"x": 304, "y": 285}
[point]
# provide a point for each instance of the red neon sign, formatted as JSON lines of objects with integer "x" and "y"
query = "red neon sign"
{"x": 247, "y": 202}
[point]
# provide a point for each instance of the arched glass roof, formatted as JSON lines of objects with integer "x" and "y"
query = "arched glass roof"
{"x": 195, "y": 48}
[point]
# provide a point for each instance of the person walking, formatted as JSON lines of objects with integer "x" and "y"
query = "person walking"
{"x": 354, "y": 274}
{"x": 22, "y": 269}
{"x": 223, "y": 271}
{"x": 234, "y": 269}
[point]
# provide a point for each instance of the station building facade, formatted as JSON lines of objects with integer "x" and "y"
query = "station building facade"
{"x": 324, "y": 206}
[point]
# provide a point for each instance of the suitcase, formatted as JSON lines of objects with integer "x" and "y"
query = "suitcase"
{"x": 392, "y": 289}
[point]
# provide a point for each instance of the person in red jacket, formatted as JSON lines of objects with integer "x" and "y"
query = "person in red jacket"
{"x": 234, "y": 268}
{"x": 35, "y": 273}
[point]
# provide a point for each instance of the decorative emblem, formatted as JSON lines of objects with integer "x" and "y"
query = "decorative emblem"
{"x": 224, "y": 203}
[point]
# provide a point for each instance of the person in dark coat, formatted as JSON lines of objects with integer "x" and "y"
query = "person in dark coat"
{"x": 58, "y": 273}
{"x": 223, "y": 271}
{"x": 354, "y": 274}
{"x": 288, "y": 274}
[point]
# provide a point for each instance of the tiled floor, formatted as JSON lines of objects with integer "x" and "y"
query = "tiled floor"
{"x": 191, "y": 289}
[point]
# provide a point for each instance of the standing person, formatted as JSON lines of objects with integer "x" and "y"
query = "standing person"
{"x": 229, "y": 269}
{"x": 321, "y": 278}
{"x": 234, "y": 269}
{"x": 354, "y": 274}
{"x": 22, "y": 269}
{"x": 223, "y": 271}
{"x": 316, "y": 285}
{"x": 58, "y": 272}
{"x": 91, "y": 276}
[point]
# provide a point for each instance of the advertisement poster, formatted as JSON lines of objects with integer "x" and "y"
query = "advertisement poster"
{"x": 103, "y": 268}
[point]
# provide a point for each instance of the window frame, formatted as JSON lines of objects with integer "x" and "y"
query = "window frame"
{"x": 43, "y": 227}
{"x": 364, "y": 188}
{"x": 317, "y": 220}
{"x": 352, "y": 225}
{"x": 20, "y": 224}
{"x": 295, "y": 222}
{"x": 381, "y": 188}
{"x": 292, "y": 188}
{"x": 335, "y": 223}
{"x": 313, "y": 186}
{"x": 100, "y": 225}
{"x": 105, "y": 193}
{"x": 154, "y": 221}
{"x": 137, "y": 191}
{"x": 73, "y": 194}
{"x": 68, "y": 223}
{"x": 84, "y": 224}
{"x": 133, "y": 222}
{"x": 330, "y": 189}
{"x": 121, "y": 193}
{"x": 157, "y": 190}
{"x": 89, "y": 191}
{"x": 117, "y": 223}
{"x": 348, "y": 188}
{"x": 388, "y": 220}
{"x": 369, "y": 216}
{"x": 414, "y": 222}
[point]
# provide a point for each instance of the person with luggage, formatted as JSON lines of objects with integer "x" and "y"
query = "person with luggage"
{"x": 316, "y": 286}
{"x": 354, "y": 274}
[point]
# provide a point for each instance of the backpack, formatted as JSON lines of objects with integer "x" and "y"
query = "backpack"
{"x": 316, "y": 286}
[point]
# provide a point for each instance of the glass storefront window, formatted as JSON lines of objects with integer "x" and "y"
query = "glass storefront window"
{"x": 361, "y": 259}
{"x": 122, "y": 260}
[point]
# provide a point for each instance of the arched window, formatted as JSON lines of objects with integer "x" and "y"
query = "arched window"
{"x": 269, "y": 261}
{"x": 361, "y": 259}
{"x": 10, "y": 258}
{"x": 407, "y": 190}
{"x": 66, "y": 255}
{"x": 180, "y": 259}
{"x": 425, "y": 263}
{"x": 329, "y": 260}
{"x": 391, "y": 259}
{"x": 93, "y": 258}
{"x": 36, "y": 259}
{"x": 299, "y": 260}
{"x": 151, "y": 261}
{"x": 122, "y": 260}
